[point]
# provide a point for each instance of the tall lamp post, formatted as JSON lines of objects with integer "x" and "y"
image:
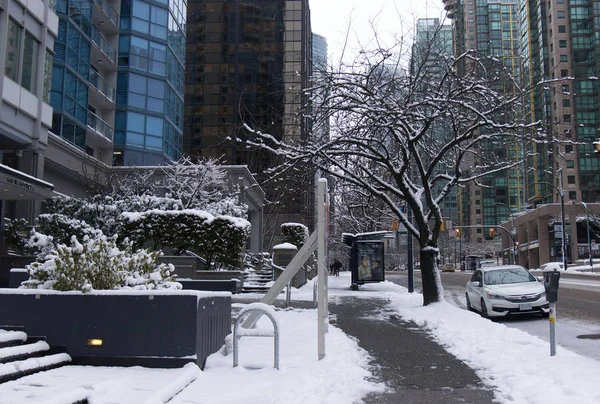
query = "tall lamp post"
{"x": 561, "y": 192}
{"x": 513, "y": 231}
{"x": 587, "y": 219}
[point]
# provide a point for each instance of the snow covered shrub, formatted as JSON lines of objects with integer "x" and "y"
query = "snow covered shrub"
{"x": 225, "y": 241}
{"x": 220, "y": 240}
{"x": 16, "y": 233}
{"x": 294, "y": 233}
{"x": 62, "y": 227}
{"x": 98, "y": 264}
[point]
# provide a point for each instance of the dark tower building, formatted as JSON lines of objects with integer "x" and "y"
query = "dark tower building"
{"x": 247, "y": 64}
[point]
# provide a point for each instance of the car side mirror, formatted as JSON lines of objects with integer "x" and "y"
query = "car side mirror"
{"x": 476, "y": 284}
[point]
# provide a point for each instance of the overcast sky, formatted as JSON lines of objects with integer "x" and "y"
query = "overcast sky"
{"x": 330, "y": 18}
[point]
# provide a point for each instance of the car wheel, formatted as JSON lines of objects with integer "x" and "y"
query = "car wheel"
{"x": 484, "y": 311}
{"x": 469, "y": 307}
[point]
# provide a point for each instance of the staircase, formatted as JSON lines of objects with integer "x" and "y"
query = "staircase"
{"x": 255, "y": 281}
{"x": 21, "y": 355}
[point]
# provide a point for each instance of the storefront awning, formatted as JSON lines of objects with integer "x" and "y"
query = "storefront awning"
{"x": 16, "y": 185}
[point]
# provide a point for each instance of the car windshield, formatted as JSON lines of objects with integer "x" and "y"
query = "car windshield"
{"x": 507, "y": 275}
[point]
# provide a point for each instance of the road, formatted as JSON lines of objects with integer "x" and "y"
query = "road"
{"x": 578, "y": 309}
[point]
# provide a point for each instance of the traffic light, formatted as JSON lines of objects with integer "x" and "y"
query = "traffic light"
{"x": 596, "y": 146}
{"x": 457, "y": 232}
{"x": 492, "y": 232}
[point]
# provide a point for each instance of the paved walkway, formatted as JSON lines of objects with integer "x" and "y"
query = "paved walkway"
{"x": 414, "y": 367}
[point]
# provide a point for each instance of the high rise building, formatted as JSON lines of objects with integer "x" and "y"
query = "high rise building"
{"x": 491, "y": 28}
{"x": 118, "y": 73}
{"x": 84, "y": 75}
{"x": 27, "y": 34}
{"x": 150, "y": 82}
{"x": 247, "y": 64}
{"x": 560, "y": 49}
{"x": 433, "y": 43}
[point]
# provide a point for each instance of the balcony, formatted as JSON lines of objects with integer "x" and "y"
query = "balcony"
{"x": 100, "y": 127}
{"x": 104, "y": 46}
{"x": 103, "y": 12}
{"x": 102, "y": 86}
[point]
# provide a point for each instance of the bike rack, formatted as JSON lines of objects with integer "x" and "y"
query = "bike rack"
{"x": 238, "y": 333}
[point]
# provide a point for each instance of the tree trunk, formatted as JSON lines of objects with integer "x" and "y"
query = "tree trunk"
{"x": 430, "y": 276}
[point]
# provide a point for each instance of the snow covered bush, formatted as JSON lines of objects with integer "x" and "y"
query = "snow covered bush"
{"x": 220, "y": 240}
{"x": 98, "y": 264}
{"x": 16, "y": 232}
{"x": 62, "y": 227}
{"x": 294, "y": 233}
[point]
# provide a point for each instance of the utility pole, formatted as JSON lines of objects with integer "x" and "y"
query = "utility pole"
{"x": 409, "y": 241}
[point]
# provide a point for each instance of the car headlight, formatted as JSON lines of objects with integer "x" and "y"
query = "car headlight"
{"x": 491, "y": 295}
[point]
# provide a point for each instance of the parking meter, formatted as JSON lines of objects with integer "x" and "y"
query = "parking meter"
{"x": 551, "y": 279}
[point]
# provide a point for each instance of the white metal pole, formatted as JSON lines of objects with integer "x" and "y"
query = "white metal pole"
{"x": 322, "y": 315}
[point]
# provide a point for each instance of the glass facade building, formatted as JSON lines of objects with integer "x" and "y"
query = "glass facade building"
{"x": 84, "y": 74}
{"x": 150, "y": 82}
{"x": 491, "y": 27}
{"x": 248, "y": 62}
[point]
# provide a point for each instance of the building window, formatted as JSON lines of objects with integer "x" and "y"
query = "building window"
{"x": 570, "y": 179}
{"x": 477, "y": 192}
{"x": 573, "y": 195}
{"x": 564, "y": 73}
{"x": 565, "y": 88}
{"x": 570, "y": 163}
{"x": 567, "y": 118}
{"x": 478, "y": 231}
{"x": 566, "y": 102}
{"x": 562, "y": 43}
{"x": 21, "y": 58}
{"x": 564, "y": 58}
{"x": 560, "y": 14}
{"x": 30, "y": 62}
{"x": 478, "y": 221}
{"x": 478, "y": 211}
{"x": 569, "y": 148}
{"x": 477, "y": 201}
{"x": 13, "y": 43}
{"x": 562, "y": 29}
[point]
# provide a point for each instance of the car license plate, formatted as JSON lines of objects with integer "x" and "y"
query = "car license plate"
{"x": 525, "y": 306}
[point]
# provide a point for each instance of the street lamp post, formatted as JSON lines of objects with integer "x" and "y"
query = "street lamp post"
{"x": 561, "y": 192}
{"x": 587, "y": 219}
{"x": 513, "y": 231}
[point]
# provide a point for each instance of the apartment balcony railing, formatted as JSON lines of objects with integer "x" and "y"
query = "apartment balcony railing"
{"x": 99, "y": 126}
{"x": 109, "y": 10}
{"x": 104, "y": 45}
{"x": 102, "y": 86}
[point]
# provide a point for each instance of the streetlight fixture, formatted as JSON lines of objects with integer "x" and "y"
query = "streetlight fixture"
{"x": 561, "y": 192}
{"x": 513, "y": 231}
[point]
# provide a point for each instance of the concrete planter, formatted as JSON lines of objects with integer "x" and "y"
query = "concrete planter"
{"x": 145, "y": 328}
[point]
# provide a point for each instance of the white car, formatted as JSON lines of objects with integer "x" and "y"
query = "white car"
{"x": 503, "y": 290}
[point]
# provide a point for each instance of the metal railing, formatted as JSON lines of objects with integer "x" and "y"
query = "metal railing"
{"x": 100, "y": 84}
{"x": 109, "y": 10}
{"x": 104, "y": 45}
{"x": 99, "y": 126}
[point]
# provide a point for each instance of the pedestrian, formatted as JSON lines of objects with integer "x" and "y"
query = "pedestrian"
{"x": 337, "y": 265}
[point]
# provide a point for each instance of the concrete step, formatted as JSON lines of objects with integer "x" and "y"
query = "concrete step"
{"x": 19, "y": 352}
{"x": 15, "y": 370}
{"x": 11, "y": 337}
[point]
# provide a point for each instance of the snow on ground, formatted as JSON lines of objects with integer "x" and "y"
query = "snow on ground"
{"x": 99, "y": 384}
{"x": 517, "y": 365}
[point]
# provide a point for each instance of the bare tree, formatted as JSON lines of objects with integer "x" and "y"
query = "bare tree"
{"x": 408, "y": 136}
